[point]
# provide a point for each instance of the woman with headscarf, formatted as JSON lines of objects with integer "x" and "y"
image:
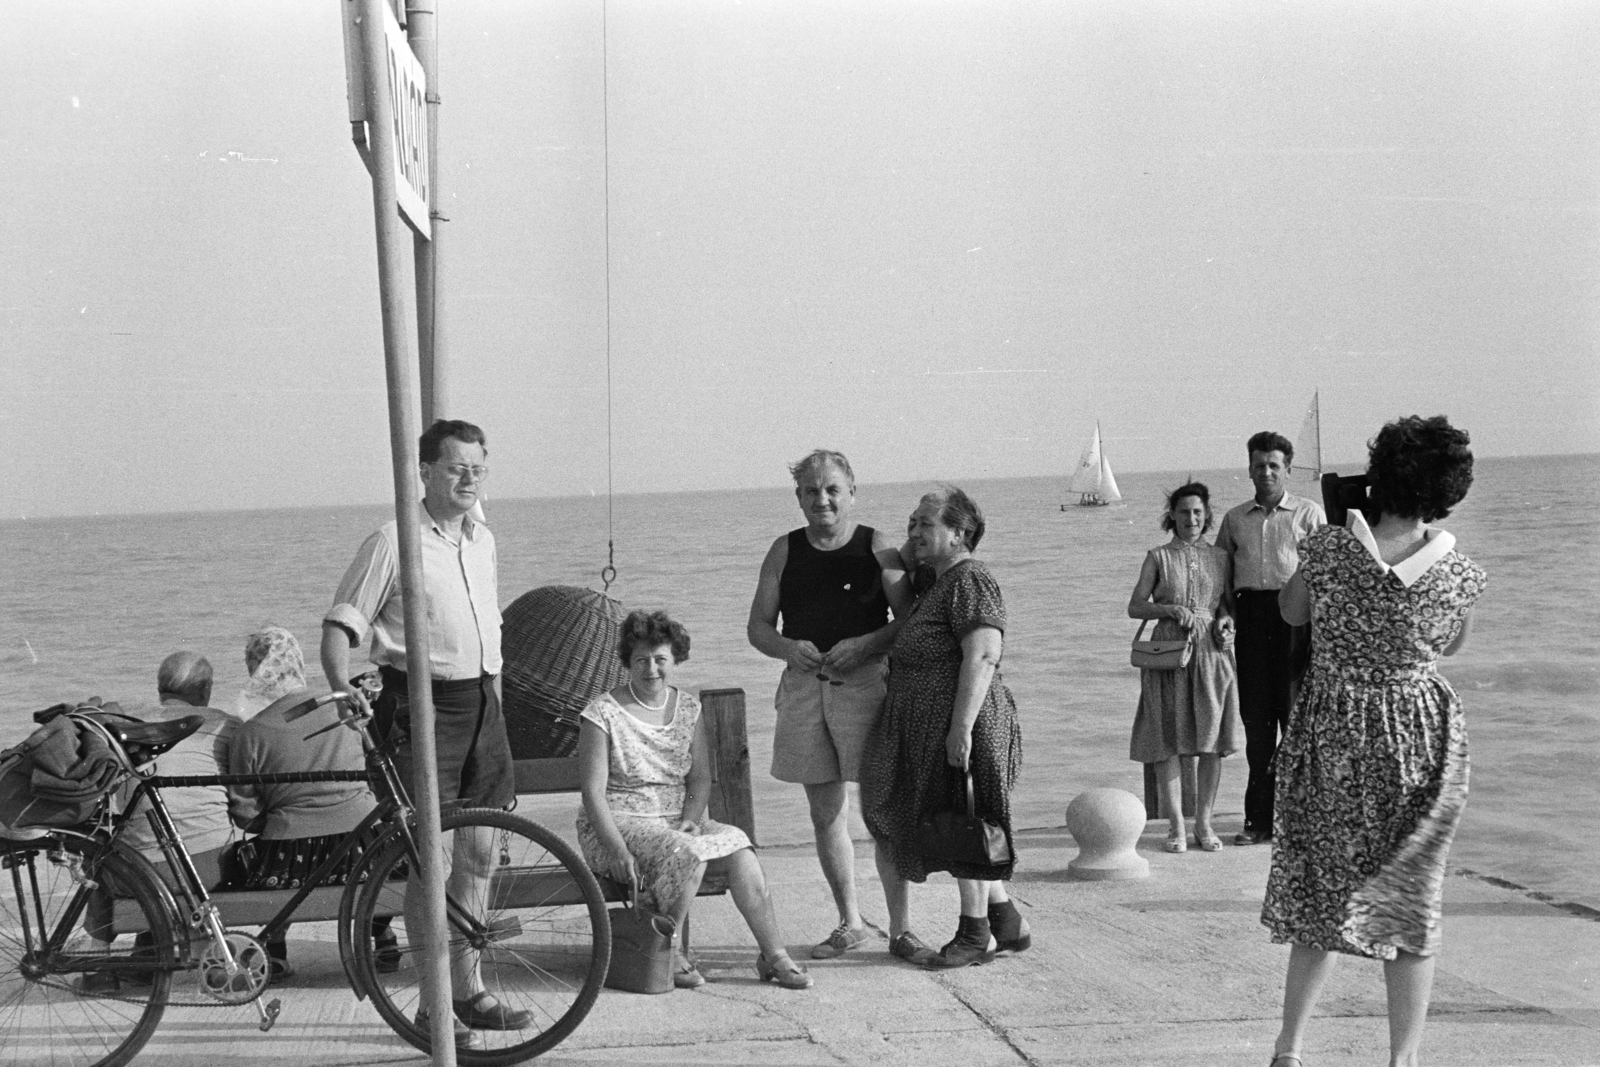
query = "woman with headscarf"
{"x": 296, "y": 825}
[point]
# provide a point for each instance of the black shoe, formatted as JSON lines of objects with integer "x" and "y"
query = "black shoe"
{"x": 909, "y": 947}
{"x": 1253, "y": 837}
{"x": 972, "y": 945}
{"x": 1010, "y": 929}
{"x": 465, "y": 1037}
{"x": 99, "y": 984}
{"x": 386, "y": 953}
{"x": 495, "y": 1017}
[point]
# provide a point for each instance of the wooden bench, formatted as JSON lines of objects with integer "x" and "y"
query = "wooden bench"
{"x": 731, "y": 803}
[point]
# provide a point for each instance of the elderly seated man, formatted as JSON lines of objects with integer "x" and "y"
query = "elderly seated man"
{"x": 200, "y": 814}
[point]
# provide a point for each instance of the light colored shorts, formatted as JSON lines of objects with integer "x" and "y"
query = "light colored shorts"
{"x": 823, "y": 725}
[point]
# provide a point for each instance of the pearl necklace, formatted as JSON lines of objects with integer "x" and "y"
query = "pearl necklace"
{"x": 637, "y": 699}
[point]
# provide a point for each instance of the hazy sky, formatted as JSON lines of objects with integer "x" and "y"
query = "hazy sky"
{"x": 944, "y": 237}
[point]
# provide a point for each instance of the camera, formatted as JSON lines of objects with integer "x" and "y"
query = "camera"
{"x": 1341, "y": 494}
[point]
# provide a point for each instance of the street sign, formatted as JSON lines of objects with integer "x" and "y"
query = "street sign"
{"x": 407, "y": 84}
{"x": 408, "y": 96}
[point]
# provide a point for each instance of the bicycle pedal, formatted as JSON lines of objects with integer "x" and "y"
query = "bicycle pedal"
{"x": 269, "y": 1013}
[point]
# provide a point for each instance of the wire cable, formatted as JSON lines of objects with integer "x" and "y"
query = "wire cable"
{"x": 608, "y": 573}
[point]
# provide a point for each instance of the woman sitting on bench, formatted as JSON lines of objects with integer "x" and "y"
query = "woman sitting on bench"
{"x": 297, "y": 825}
{"x": 644, "y": 761}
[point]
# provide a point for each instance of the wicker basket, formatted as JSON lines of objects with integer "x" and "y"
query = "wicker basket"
{"x": 560, "y": 648}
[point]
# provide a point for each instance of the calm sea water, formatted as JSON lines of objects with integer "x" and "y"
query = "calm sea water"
{"x": 91, "y": 605}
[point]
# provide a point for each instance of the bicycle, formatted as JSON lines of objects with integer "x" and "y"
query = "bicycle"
{"x": 538, "y": 931}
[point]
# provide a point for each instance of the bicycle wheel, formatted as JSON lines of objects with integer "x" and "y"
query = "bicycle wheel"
{"x": 535, "y": 930}
{"x": 81, "y": 1003}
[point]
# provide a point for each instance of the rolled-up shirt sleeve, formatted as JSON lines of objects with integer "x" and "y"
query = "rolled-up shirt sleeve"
{"x": 366, "y": 587}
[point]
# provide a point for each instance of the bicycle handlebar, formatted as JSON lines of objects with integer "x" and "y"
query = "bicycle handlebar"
{"x": 300, "y": 711}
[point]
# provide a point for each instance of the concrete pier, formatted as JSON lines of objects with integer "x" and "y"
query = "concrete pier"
{"x": 1172, "y": 969}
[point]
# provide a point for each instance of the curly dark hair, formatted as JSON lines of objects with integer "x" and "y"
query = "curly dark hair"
{"x": 649, "y": 629}
{"x": 1188, "y": 489}
{"x": 1418, "y": 468}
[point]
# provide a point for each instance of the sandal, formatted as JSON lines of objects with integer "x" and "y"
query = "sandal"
{"x": 1176, "y": 843}
{"x": 1283, "y": 1058}
{"x": 686, "y": 972}
{"x": 783, "y": 970}
{"x": 1209, "y": 842}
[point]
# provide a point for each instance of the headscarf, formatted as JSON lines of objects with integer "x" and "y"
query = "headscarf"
{"x": 277, "y": 669}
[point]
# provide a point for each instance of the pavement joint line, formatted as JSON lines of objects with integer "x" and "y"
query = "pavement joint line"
{"x": 1580, "y": 911}
{"x": 989, "y": 1024}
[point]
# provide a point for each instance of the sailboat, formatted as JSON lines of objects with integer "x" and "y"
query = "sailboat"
{"x": 1308, "y": 446}
{"x": 1093, "y": 481}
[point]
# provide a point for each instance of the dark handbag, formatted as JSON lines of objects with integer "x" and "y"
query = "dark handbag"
{"x": 962, "y": 837}
{"x": 1169, "y": 655}
{"x": 641, "y": 949}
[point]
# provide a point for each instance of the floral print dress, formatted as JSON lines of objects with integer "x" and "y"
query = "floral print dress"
{"x": 1372, "y": 771}
{"x": 645, "y": 792}
{"x": 904, "y": 772}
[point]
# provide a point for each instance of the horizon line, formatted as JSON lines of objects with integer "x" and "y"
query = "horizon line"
{"x": 596, "y": 494}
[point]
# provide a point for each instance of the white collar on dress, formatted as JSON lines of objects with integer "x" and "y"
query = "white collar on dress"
{"x": 1414, "y": 566}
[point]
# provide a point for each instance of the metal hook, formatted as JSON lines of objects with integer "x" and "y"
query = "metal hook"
{"x": 608, "y": 573}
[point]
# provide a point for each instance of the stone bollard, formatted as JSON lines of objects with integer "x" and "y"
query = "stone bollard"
{"x": 1106, "y": 823}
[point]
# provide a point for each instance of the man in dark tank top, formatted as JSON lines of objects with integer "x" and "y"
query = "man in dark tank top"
{"x": 833, "y": 583}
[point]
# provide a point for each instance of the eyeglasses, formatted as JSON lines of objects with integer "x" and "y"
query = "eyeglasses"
{"x": 459, "y": 471}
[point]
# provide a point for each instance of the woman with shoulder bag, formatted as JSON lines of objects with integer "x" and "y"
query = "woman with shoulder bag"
{"x": 1190, "y": 709}
{"x": 947, "y": 711}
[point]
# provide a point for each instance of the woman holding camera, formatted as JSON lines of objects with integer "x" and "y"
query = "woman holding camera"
{"x": 1372, "y": 772}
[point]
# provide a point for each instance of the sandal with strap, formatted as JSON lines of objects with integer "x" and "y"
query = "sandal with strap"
{"x": 1281, "y": 1059}
{"x": 686, "y": 972}
{"x": 783, "y": 970}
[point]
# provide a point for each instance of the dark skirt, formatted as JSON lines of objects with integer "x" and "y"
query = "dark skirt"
{"x": 288, "y": 863}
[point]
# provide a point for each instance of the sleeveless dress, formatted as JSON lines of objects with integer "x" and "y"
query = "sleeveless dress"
{"x": 1372, "y": 771}
{"x": 1182, "y": 713}
{"x": 645, "y": 791}
{"x": 904, "y": 773}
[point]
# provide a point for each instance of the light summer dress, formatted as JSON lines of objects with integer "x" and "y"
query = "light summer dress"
{"x": 1372, "y": 771}
{"x": 1196, "y": 709}
{"x": 645, "y": 792}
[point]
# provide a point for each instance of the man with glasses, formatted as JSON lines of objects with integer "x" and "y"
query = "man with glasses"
{"x": 459, "y": 576}
{"x": 833, "y": 581}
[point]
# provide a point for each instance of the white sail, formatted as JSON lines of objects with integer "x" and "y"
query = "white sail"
{"x": 1308, "y": 446}
{"x": 1086, "y": 476}
{"x": 1108, "y": 482}
{"x": 1092, "y": 479}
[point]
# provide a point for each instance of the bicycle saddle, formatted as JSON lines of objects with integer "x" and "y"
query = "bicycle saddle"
{"x": 144, "y": 741}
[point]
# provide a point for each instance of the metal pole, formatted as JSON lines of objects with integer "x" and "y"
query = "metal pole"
{"x": 403, "y": 433}
{"x": 422, "y": 32}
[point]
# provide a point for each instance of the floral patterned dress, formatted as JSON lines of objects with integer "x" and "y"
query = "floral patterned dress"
{"x": 904, "y": 773}
{"x": 1196, "y": 709}
{"x": 1372, "y": 771}
{"x": 645, "y": 792}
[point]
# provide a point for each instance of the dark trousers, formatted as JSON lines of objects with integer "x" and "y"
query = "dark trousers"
{"x": 1271, "y": 656}
{"x": 474, "y": 757}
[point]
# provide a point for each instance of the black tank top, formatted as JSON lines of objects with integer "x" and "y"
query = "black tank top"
{"x": 825, "y": 597}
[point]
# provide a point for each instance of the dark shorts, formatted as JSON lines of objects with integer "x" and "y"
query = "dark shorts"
{"x": 469, "y": 731}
